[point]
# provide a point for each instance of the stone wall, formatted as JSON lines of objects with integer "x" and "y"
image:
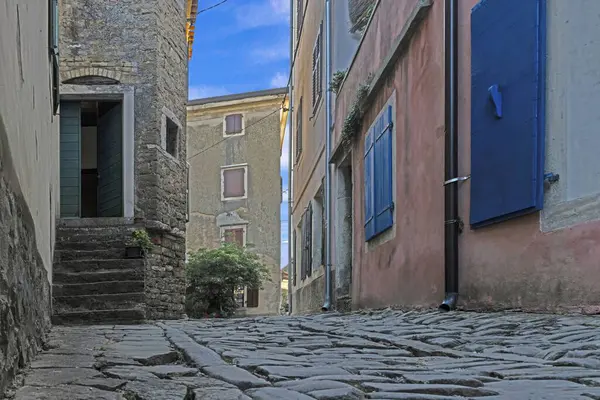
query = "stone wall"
{"x": 24, "y": 286}
{"x": 259, "y": 213}
{"x": 143, "y": 45}
{"x": 165, "y": 276}
{"x": 28, "y": 183}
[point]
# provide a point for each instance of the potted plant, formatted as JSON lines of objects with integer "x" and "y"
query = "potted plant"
{"x": 139, "y": 245}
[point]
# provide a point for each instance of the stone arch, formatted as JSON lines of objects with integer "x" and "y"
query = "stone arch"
{"x": 92, "y": 76}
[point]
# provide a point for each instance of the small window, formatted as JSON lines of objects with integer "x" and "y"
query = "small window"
{"x": 299, "y": 130}
{"x": 299, "y": 17}
{"x": 172, "y": 137}
{"x": 234, "y": 235}
{"x": 234, "y": 183}
{"x": 234, "y": 124}
{"x": 317, "y": 76}
{"x": 251, "y": 298}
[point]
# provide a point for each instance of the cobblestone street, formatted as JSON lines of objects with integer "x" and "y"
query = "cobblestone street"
{"x": 381, "y": 355}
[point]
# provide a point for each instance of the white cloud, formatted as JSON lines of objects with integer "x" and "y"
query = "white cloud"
{"x": 265, "y": 55}
{"x": 279, "y": 80}
{"x": 265, "y": 13}
{"x": 203, "y": 91}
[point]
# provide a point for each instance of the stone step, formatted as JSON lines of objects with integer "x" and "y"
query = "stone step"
{"x": 125, "y": 316}
{"x": 99, "y": 265}
{"x": 97, "y": 302}
{"x": 98, "y": 276}
{"x": 102, "y": 254}
{"x": 112, "y": 287}
{"x": 88, "y": 245}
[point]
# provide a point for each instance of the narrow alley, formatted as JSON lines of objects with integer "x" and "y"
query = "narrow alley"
{"x": 365, "y": 355}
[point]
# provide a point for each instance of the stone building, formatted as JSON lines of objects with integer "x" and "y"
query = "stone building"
{"x": 123, "y": 93}
{"x": 234, "y": 147}
{"x": 308, "y": 222}
{"x": 29, "y": 182}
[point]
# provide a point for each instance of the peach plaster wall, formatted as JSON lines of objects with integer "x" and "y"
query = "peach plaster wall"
{"x": 513, "y": 264}
{"x": 408, "y": 269}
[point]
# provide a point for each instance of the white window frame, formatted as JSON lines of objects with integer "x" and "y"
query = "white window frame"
{"x": 242, "y": 133}
{"x": 229, "y": 167}
{"x": 226, "y": 228}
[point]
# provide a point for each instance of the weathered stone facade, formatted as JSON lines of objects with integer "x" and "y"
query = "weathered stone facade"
{"x": 257, "y": 148}
{"x": 143, "y": 47}
{"x": 28, "y": 183}
{"x": 24, "y": 286}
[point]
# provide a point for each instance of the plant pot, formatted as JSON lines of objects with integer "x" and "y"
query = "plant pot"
{"x": 134, "y": 252}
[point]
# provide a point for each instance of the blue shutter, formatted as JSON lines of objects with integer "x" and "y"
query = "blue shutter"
{"x": 369, "y": 187}
{"x": 70, "y": 160}
{"x": 384, "y": 196}
{"x": 507, "y": 109}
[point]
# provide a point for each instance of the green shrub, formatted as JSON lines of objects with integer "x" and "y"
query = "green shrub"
{"x": 213, "y": 275}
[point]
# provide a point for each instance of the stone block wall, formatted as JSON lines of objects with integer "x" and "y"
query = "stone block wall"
{"x": 24, "y": 286}
{"x": 165, "y": 276}
{"x": 142, "y": 44}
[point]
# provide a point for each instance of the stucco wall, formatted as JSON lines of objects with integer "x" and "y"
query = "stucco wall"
{"x": 515, "y": 264}
{"x": 309, "y": 168}
{"x": 29, "y": 187}
{"x": 259, "y": 148}
{"x": 406, "y": 267}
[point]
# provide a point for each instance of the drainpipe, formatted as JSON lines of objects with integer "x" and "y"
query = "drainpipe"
{"x": 452, "y": 221}
{"x": 327, "y": 304}
{"x": 291, "y": 261}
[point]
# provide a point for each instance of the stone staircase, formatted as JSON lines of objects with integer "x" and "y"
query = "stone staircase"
{"x": 93, "y": 281}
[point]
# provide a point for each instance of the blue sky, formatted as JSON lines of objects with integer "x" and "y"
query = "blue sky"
{"x": 241, "y": 46}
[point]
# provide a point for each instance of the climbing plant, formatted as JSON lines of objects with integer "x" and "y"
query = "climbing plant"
{"x": 353, "y": 121}
{"x": 336, "y": 81}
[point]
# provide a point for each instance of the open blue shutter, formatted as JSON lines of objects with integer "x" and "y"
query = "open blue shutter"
{"x": 507, "y": 109}
{"x": 384, "y": 199}
{"x": 369, "y": 187}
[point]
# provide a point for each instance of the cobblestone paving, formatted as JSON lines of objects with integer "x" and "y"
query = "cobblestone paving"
{"x": 382, "y": 355}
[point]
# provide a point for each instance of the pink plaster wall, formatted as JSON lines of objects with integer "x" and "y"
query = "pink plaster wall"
{"x": 409, "y": 269}
{"x": 514, "y": 264}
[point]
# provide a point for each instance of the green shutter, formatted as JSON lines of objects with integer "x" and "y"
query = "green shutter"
{"x": 70, "y": 160}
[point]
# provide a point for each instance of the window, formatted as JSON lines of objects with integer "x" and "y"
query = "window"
{"x": 234, "y": 182}
{"x": 172, "y": 136}
{"x": 235, "y": 235}
{"x": 299, "y": 130}
{"x": 317, "y": 76}
{"x": 234, "y": 125}
{"x": 299, "y": 17}
{"x": 378, "y": 170}
{"x": 294, "y": 255}
{"x": 306, "y": 258}
{"x": 54, "y": 60}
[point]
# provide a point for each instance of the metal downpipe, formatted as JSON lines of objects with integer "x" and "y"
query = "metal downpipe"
{"x": 452, "y": 222}
{"x": 291, "y": 261}
{"x": 327, "y": 303}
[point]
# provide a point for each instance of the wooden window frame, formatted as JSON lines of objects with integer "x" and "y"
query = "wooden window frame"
{"x": 53, "y": 44}
{"x": 226, "y": 228}
{"x": 242, "y": 132}
{"x": 317, "y": 70}
{"x": 299, "y": 137}
{"x": 230, "y": 167}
